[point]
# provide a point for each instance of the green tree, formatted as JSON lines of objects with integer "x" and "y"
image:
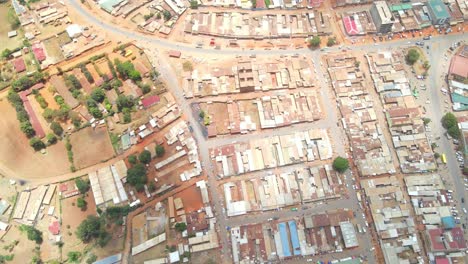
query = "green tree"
{"x": 160, "y": 150}
{"x": 32, "y": 233}
{"x": 91, "y": 259}
{"x": 145, "y": 157}
{"x": 22, "y": 83}
{"x": 125, "y": 102}
{"x": 27, "y": 129}
{"x": 194, "y": 4}
{"x": 51, "y": 139}
{"x": 412, "y": 56}
{"x": 89, "y": 229}
{"x": 74, "y": 256}
{"x": 181, "y": 226}
{"x": 426, "y": 120}
{"x": 340, "y": 164}
{"x": 449, "y": 120}
{"x": 167, "y": 15}
{"x": 136, "y": 175}
{"x": 454, "y": 132}
{"x": 82, "y": 185}
{"x": 36, "y": 143}
{"x": 315, "y": 41}
{"x": 331, "y": 41}
{"x": 72, "y": 82}
{"x": 98, "y": 95}
{"x": 56, "y": 128}
{"x": 81, "y": 203}
{"x": 132, "y": 159}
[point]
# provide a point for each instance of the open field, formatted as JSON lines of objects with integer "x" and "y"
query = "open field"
{"x": 91, "y": 146}
{"x": 5, "y": 27}
{"x": 72, "y": 216}
{"x": 18, "y": 160}
{"x": 22, "y": 251}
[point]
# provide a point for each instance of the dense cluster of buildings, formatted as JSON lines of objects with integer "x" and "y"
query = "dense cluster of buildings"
{"x": 457, "y": 79}
{"x": 248, "y": 75}
{"x": 391, "y": 214}
{"x": 276, "y": 191}
{"x": 306, "y": 236}
{"x": 271, "y": 152}
{"x": 403, "y": 115}
{"x": 243, "y": 25}
{"x": 384, "y": 17}
{"x": 370, "y": 149}
{"x": 274, "y": 111}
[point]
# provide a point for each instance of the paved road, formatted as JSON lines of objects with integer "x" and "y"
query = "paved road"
{"x": 437, "y": 109}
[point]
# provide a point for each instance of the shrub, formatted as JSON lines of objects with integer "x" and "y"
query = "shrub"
{"x": 160, "y": 150}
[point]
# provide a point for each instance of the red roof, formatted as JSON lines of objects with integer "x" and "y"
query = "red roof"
{"x": 442, "y": 261}
{"x": 174, "y": 53}
{"x": 63, "y": 187}
{"x": 54, "y": 228}
{"x": 350, "y": 26}
{"x": 150, "y": 101}
{"x": 458, "y": 66}
{"x": 32, "y": 115}
{"x": 38, "y": 52}
{"x": 19, "y": 65}
{"x": 437, "y": 237}
{"x": 260, "y": 4}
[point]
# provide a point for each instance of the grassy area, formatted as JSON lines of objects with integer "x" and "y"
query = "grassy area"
{"x": 7, "y": 16}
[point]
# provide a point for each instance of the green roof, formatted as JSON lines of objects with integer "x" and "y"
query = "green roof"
{"x": 439, "y": 9}
{"x": 460, "y": 99}
{"x": 351, "y": 261}
{"x": 109, "y": 5}
{"x": 394, "y": 8}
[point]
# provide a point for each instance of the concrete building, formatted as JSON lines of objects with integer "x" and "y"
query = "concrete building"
{"x": 382, "y": 17}
{"x": 438, "y": 12}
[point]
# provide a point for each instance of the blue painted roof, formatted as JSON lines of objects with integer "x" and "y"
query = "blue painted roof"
{"x": 110, "y": 260}
{"x": 294, "y": 238}
{"x": 284, "y": 239}
{"x": 448, "y": 222}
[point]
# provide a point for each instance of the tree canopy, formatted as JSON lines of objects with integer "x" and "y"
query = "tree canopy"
{"x": 56, "y": 128}
{"x": 340, "y": 164}
{"x": 127, "y": 70}
{"x": 32, "y": 233}
{"x": 136, "y": 175}
{"x": 145, "y": 156}
{"x": 82, "y": 185}
{"x": 314, "y": 41}
{"x": 89, "y": 229}
{"x": 412, "y": 56}
{"x": 36, "y": 143}
{"x": 160, "y": 150}
{"x": 181, "y": 226}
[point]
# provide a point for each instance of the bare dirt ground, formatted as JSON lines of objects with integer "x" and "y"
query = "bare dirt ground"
{"x": 22, "y": 251}
{"x": 91, "y": 146}
{"x": 72, "y": 216}
{"x": 191, "y": 197}
{"x": 18, "y": 160}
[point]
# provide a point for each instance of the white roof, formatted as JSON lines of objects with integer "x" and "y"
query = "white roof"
{"x": 3, "y": 226}
{"x": 73, "y": 30}
{"x": 174, "y": 257}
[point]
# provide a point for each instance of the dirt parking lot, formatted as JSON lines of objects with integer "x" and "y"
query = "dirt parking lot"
{"x": 91, "y": 146}
{"x": 18, "y": 160}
